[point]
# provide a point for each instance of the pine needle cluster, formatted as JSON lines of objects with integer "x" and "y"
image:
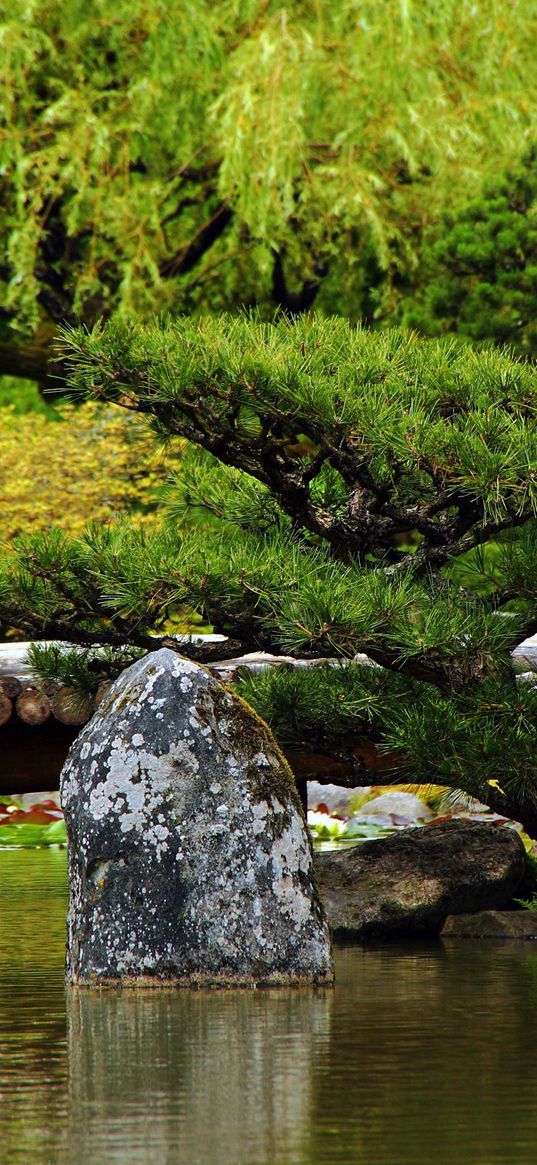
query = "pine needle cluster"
{"x": 480, "y": 274}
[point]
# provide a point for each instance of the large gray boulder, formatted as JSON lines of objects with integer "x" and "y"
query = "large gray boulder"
{"x": 407, "y": 884}
{"x": 189, "y": 859}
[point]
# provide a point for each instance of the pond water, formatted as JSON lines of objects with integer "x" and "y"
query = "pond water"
{"x": 424, "y": 1054}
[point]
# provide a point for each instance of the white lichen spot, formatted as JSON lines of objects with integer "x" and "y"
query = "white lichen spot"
{"x": 261, "y": 760}
{"x": 259, "y": 812}
{"x": 161, "y": 832}
{"x": 181, "y": 666}
{"x": 289, "y": 856}
{"x": 137, "y": 739}
{"x": 181, "y": 754}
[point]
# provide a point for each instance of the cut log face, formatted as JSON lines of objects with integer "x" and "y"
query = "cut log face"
{"x": 33, "y": 707}
{"x": 70, "y": 708}
{"x": 189, "y": 858}
{"x": 10, "y": 686}
{"x": 6, "y": 708}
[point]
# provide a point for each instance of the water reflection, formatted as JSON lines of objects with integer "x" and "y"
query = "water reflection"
{"x": 422, "y": 1054}
{"x": 198, "y": 1078}
{"x": 33, "y": 1061}
{"x": 432, "y": 1057}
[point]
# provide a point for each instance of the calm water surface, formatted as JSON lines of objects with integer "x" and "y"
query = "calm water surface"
{"x": 423, "y": 1055}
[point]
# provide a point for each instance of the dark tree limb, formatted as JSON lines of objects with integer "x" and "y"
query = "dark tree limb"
{"x": 371, "y": 520}
{"x": 34, "y": 362}
{"x": 296, "y": 302}
{"x": 189, "y": 256}
{"x": 66, "y": 631}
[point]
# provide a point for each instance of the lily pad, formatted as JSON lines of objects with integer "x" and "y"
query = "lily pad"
{"x": 31, "y": 835}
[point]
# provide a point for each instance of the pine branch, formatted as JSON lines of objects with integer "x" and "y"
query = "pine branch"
{"x": 453, "y": 515}
{"x": 40, "y": 630}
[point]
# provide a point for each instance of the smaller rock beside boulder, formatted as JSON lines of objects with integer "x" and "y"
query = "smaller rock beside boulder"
{"x": 396, "y": 808}
{"x": 337, "y": 799}
{"x": 407, "y": 884}
{"x": 521, "y": 924}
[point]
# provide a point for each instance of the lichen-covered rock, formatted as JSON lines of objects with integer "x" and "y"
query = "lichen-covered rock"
{"x": 189, "y": 859}
{"x": 407, "y": 884}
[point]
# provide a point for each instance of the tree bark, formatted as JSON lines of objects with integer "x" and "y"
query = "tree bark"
{"x": 33, "y": 362}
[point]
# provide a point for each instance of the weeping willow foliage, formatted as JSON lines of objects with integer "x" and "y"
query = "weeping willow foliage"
{"x": 160, "y": 155}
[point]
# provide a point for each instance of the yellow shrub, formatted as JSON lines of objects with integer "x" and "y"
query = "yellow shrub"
{"x": 91, "y": 463}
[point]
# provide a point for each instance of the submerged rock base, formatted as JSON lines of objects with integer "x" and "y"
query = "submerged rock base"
{"x": 492, "y": 924}
{"x": 189, "y": 859}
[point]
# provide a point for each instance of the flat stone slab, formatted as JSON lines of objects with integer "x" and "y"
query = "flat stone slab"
{"x": 408, "y": 884}
{"x": 189, "y": 857}
{"x": 525, "y": 655}
{"x": 513, "y": 924}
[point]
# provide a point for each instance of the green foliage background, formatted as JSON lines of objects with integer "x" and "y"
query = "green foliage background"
{"x": 330, "y": 134}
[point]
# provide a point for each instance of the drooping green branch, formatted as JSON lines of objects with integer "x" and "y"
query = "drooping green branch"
{"x": 428, "y": 440}
{"x": 288, "y": 161}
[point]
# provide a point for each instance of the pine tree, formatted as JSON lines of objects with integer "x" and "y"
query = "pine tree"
{"x": 480, "y": 276}
{"x": 346, "y": 492}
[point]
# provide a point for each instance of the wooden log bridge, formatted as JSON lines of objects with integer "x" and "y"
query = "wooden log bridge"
{"x": 39, "y": 721}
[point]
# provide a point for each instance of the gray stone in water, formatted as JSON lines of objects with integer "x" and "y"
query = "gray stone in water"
{"x": 189, "y": 859}
{"x": 404, "y": 806}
